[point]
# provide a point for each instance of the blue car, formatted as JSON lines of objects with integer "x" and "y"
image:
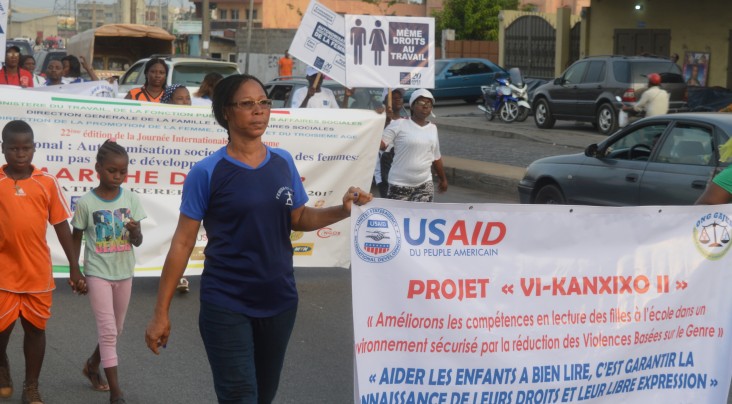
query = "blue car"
{"x": 461, "y": 78}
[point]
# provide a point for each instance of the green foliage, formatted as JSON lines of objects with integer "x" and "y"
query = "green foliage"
{"x": 472, "y": 19}
{"x": 531, "y": 7}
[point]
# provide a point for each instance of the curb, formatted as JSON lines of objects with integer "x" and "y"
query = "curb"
{"x": 500, "y": 180}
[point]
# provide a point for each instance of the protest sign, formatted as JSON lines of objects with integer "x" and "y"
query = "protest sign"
{"x": 164, "y": 141}
{"x": 488, "y": 303}
{"x": 319, "y": 41}
{"x": 389, "y": 51}
{"x": 4, "y": 8}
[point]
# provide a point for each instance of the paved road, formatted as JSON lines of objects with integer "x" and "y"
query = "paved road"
{"x": 465, "y": 133}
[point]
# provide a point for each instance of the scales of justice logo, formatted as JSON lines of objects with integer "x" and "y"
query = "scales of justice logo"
{"x": 377, "y": 237}
{"x": 711, "y": 235}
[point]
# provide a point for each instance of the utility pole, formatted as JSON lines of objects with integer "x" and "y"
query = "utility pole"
{"x": 250, "y": 21}
{"x": 206, "y": 28}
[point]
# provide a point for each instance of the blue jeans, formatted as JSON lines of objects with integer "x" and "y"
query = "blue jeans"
{"x": 245, "y": 353}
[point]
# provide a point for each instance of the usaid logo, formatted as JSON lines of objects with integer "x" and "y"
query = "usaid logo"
{"x": 377, "y": 237}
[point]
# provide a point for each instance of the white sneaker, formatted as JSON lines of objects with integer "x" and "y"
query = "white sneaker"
{"x": 183, "y": 285}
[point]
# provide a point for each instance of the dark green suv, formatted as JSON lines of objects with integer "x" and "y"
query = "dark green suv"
{"x": 589, "y": 89}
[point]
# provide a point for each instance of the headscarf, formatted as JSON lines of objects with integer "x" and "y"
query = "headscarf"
{"x": 725, "y": 151}
{"x": 167, "y": 97}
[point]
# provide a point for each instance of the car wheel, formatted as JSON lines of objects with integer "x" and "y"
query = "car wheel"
{"x": 606, "y": 119}
{"x": 508, "y": 111}
{"x": 543, "y": 117}
{"x": 523, "y": 114}
{"x": 549, "y": 194}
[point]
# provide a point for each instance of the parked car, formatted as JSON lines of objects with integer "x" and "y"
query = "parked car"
{"x": 44, "y": 56}
{"x": 25, "y": 47}
{"x": 661, "y": 160}
{"x": 281, "y": 89}
{"x": 185, "y": 70}
{"x": 461, "y": 78}
{"x": 588, "y": 90}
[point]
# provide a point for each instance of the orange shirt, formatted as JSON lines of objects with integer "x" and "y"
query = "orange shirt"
{"x": 22, "y": 78}
{"x": 141, "y": 94}
{"x": 26, "y": 208}
{"x": 285, "y": 66}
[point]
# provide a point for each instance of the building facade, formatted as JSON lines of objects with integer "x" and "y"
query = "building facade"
{"x": 92, "y": 15}
{"x": 700, "y": 30}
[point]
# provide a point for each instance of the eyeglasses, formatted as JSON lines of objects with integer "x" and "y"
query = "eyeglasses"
{"x": 248, "y": 105}
{"x": 12, "y": 53}
{"x": 423, "y": 103}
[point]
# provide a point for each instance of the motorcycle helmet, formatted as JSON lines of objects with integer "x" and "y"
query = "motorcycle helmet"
{"x": 654, "y": 79}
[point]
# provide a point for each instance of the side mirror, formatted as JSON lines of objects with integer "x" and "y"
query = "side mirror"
{"x": 559, "y": 81}
{"x": 591, "y": 150}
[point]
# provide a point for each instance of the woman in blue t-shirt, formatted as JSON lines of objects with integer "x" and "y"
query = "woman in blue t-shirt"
{"x": 249, "y": 197}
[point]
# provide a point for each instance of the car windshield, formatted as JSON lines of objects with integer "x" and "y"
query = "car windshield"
{"x": 43, "y": 60}
{"x": 637, "y": 72}
{"x": 192, "y": 74}
{"x": 440, "y": 66}
{"x": 25, "y": 47}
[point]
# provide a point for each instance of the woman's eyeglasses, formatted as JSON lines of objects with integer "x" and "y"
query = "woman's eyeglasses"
{"x": 423, "y": 103}
{"x": 248, "y": 105}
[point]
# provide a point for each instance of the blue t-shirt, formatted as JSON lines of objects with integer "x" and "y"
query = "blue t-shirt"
{"x": 246, "y": 213}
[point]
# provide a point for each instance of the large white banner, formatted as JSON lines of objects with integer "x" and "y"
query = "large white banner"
{"x": 165, "y": 141}
{"x": 319, "y": 41}
{"x": 487, "y": 303}
{"x": 100, "y": 88}
{"x": 388, "y": 51}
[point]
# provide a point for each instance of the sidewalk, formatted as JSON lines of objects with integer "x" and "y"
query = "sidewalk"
{"x": 501, "y": 178}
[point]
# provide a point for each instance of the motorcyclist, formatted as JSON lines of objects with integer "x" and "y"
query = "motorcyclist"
{"x": 654, "y": 101}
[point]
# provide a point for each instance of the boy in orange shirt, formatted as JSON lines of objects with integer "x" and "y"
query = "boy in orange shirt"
{"x": 29, "y": 199}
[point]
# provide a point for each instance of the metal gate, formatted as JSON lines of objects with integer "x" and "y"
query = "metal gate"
{"x": 574, "y": 43}
{"x": 529, "y": 45}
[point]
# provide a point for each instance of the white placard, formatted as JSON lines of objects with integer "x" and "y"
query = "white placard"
{"x": 319, "y": 41}
{"x": 389, "y": 51}
{"x": 4, "y": 8}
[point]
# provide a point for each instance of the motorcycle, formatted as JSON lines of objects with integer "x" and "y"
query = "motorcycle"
{"x": 507, "y": 98}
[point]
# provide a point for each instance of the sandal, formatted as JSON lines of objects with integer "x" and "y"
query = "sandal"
{"x": 183, "y": 285}
{"x": 94, "y": 377}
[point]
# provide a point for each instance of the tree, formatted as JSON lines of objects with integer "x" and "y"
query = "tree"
{"x": 472, "y": 19}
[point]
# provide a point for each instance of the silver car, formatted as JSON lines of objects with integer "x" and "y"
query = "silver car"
{"x": 662, "y": 160}
{"x": 185, "y": 70}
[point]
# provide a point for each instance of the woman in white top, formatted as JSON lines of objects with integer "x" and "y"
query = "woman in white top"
{"x": 417, "y": 150}
{"x": 28, "y": 62}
